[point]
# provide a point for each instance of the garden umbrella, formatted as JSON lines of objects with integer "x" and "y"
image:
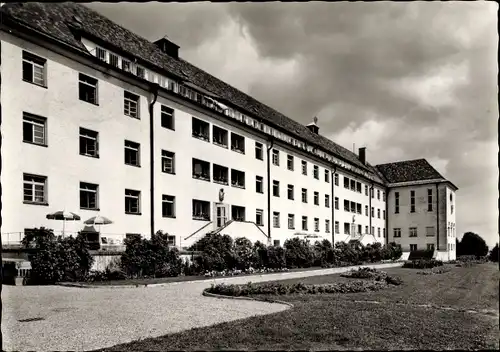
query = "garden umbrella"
{"x": 64, "y": 216}
{"x": 98, "y": 220}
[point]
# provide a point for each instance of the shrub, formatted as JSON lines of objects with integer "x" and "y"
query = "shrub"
{"x": 262, "y": 257}
{"x": 323, "y": 253}
{"x": 493, "y": 255}
{"x": 275, "y": 257}
{"x": 217, "y": 252}
{"x": 57, "y": 259}
{"x": 393, "y": 251}
{"x": 298, "y": 253}
{"x": 245, "y": 254}
{"x": 422, "y": 264}
{"x": 472, "y": 244}
{"x": 150, "y": 258}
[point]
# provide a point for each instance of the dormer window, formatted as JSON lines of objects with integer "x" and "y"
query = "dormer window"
{"x": 140, "y": 72}
{"x": 100, "y": 53}
{"x": 126, "y": 65}
{"x": 113, "y": 59}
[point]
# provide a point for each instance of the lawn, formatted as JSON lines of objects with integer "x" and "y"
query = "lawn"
{"x": 338, "y": 322}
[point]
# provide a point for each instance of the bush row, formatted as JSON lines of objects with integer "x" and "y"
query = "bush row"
{"x": 422, "y": 264}
{"x": 300, "y": 288}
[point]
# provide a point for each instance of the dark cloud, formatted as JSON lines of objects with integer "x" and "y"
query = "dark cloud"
{"x": 408, "y": 80}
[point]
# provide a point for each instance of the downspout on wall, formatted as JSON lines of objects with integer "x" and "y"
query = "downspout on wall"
{"x": 269, "y": 147}
{"x": 437, "y": 213}
{"x": 332, "y": 180}
{"x": 154, "y": 91}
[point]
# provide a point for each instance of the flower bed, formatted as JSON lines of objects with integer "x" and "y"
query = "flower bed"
{"x": 422, "y": 264}
{"x": 365, "y": 273}
{"x": 433, "y": 271}
{"x": 248, "y": 271}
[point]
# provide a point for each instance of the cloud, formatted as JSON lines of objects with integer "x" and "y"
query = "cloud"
{"x": 407, "y": 80}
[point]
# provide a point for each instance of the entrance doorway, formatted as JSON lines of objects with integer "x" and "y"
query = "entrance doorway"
{"x": 221, "y": 214}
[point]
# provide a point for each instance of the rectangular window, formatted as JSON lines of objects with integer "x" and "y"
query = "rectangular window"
{"x": 451, "y": 209}
{"x": 237, "y": 178}
{"x": 167, "y": 117}
{"x": 346, "y": 205}
{"x": 221, "y": 174}
{"x": 125, "y": 65}
{"x": 366, "y": 229}
{"x": 304, "y": 223}
{"x": 337, "y": 203}
{"x": 89, "y": 142}
{"x": 316, "y": 172}
{"x": 373, "y": 231}
{"x": 337, "y": 227}
{"x": 383, "y": 232}
{"x": 289, "y": 162}
{"x": 276, "y": 188}
{"x": 366, "y": 210}
{"x": 113, "y": 60}
{"x": 378, "y": 194}
{"x": 219, "y": 136}
{"x": 132, "y": 153}
{"x": 336, "y": 179}
{"x": 291, "y": 221}
{"x": 429, "y": 200}
{"x": 87, "y": 89}
{"x": 259, "y": 188}
{"x": 259, "y": 217}
{"x": 396, "y": 202}
{"x": 132, "y": 201}
{"x": 358, "y": 187}
{"x": 347, "y": 228}
{"x": 366, "y": 190}
{"x": 34, "y": 69}
{"x": 131, "y": 105}
{"x": 373, "y": 212}
{"x": 34, "y": 129}
{"x": 237, "y": 143}
{"x": 200, "y": 129}
{"x": 238, "y": 213}
{"x": 430, "y": 246}
{"x": 327, "y": 226}
{"x": 168, "y": 206}
{"x": 412, "y": 201}
{"x": 346, "y": 182}
{"x": 276, "y": 243}
{"x": 258, "y": 151}
{"x": 413, "y": 232}
{"x": 383, "y": 212}
{"x": 359, "y": 229}
{"x": 304, "y": 167}
{"x": 290, "y": 192}
{"x": 316, "y": 198}
{"x": 397, "y": 232}
{"x": 89, "y": 195}
{"x": 100, "y": 53}
{"x": 378, "y": 231}
{"x": 383, "y": 196}
{"x": 429, "y": 231}
{"x": 304, "y": 195}
{"x": 413, "y": 247}
{"x": 201, "y": 210}
{"x": 353, "y": 185}
{"x": 353, "y": 207}
{"x": 276, "y": 219}
{"x": 167, "y": 162}
{"x": 276, "y": 157}
{"x": 358, "y": 208}
{"x": 34, "y": 189}
{"x": 140, "y": 72}
{"x": 327, "y": 201}
{"x": 327, "y": 176}
{"x": 378, "y": 213}
{"x": 201, "y": 169}
{"x": 316, "y": 224}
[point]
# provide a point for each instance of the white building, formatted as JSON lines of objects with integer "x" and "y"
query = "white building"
{"x": 97, "y": 120}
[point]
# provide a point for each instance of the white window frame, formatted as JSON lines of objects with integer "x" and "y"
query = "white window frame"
{"x": 413, "y": 232}
{"x": 327, "y": 200}
{"x": 38, "y": 126}
{"x": 276, "y": 157}
{"x": 316, "y": 172}
{"x": 37, "y": 186}
{"x": 133, "y": 147}
{"x": 90, "y": 137}
{"x": 222, "y": 133}
{"x": 276, "y": 219}
{"x": 316, "y": 198}
{"x": 201, "y": 210}
{"x": 259, "y": 155}
{"x": 132, "y": 195}
{"x": 85, "y": 80}
{"x": 168, "y": 112}
{"x": 290, "y": 162}
{"x": 304, "y": 195}
{"x": 168, "y": 200}
{"x": 237, "y": 178}
{"x": 397, "y": 232}
{"x": 218, "y": 174}
{"x": 168, "y": 162}
{"x": 304, "y": 167}
{"x": 90, "y": 188}
{"x": 276, "y": 188}
{"x": 259, "y": 215}
{"x": 38, "y": 77}
{"x": 259, "y": 180}
{"x": 131, "y": 105}
{"x": 304, "y": 223}
{"x": 327, "y": 226}
{"x": 291, "y": 221}
{"x": 316, "y": 224}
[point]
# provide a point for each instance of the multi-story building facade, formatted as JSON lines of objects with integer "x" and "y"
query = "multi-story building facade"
{"x": 97, "y": 120}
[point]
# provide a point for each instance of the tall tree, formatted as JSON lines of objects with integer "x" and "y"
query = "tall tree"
{"x": 472, "y": 244}
{"x": 494, "y": 254}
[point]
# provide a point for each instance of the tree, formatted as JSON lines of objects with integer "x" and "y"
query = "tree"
{"x": 472, "y": 244}
{"x": 493, "y": 256}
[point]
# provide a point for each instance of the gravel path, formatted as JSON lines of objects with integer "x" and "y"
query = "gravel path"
{"x": 92, "y": 318}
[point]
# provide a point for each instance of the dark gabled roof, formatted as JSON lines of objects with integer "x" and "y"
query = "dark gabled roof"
{"x": 409, "y": 171}
{"x": 53, "y": 20}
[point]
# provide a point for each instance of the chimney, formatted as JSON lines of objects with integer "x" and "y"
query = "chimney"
{"x": 168, "y": 47}
{"x": 313, "y": 127}
{"x": 362, "y": 155}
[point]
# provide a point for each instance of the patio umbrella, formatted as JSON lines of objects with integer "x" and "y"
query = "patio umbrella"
{"x": 64, "y": 216}
{"x": 98, "y": 220}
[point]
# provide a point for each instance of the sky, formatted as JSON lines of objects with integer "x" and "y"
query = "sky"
{"x": 407, "y": 80}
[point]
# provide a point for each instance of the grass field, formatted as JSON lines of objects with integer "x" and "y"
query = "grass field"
{"x": 355, "y": 322}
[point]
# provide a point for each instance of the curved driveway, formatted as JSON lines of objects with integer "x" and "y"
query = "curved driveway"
{"x": 92, "y": 318}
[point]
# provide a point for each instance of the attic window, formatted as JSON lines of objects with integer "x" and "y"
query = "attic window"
{"x": 100, "y": 53}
